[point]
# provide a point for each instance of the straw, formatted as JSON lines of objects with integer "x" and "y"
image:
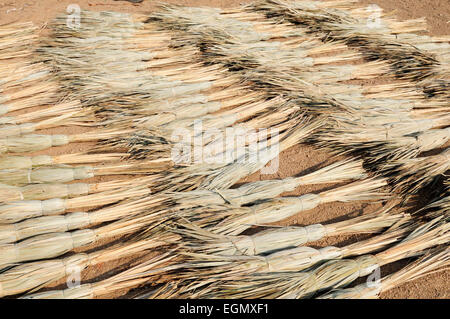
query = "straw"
{"x": 57, "y": 190}
{"x": 35, "y": 275}
{"x": 52, "y": 245}
{"x": 270, "y": 240}
{"x": 434, "y": 261}
{"x": 29, "y": 162}
{"x": 228, "y": 220}
{"x": 37, "y": 142}
{"x": 127, "y": 279}
{"x": 16, "y": 211}
{"x": 332, "y": 274}
{"x": 130, "y": 204}
{"x": 251, "y": 192}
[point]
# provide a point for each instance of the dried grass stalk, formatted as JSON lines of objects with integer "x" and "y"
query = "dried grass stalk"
{"x": 272, "y": 240}
{"x": 127, "y": 279}
{"x": 435, "y": 261}
{"x": 55, "y": 190}
{"x": 20, "y": 177}
{"x": 20, "y": 210}
{"x": 35, "y": 275}
{"x": 228, "y": 220}
{"x": 28, "y": 162}
{"x": 251, "y": 192}
{"x": 332, "y": 274}
{"x": 52, "y": 245}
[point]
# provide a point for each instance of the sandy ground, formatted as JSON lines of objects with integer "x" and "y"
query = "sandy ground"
{"x": 298, "y": 159}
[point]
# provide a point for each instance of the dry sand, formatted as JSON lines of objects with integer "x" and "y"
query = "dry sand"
{"x": 296, "y": 160}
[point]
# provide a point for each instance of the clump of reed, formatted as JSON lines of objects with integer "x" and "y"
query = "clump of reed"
{"x": 34, "y": 275}
{"x": 340, "y": 21}
{"x": 201, "y": 241}
{"x": 329, "y": 275}
{"x": 435, "y": 261}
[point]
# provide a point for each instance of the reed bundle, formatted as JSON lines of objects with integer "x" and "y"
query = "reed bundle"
{"x": 387, "y": 142}
{"x": 331, "y": 274}
{"x": 251, "y": 192}
{"x": 334, "y": 24}
{"x": 33, "y": 275}
{"x": 52, "y": 245}
{"x": 20, "y": 177}
{"x": 229, "y": 220}
{"x": 222, "y": 176}
{"x": 29, "y": 162}
{"x": 434, "y": 261}
{"x": 13, "y": 212}
{"x": 37, "y": 142}
{"x": 130, "y": 203}
{"x": 10, "y": 193}
{"x": 271, "y": 240}
{"x": 155, "y": 143}
{"x": 135, "y": 276}
{"x": 222, "y": 269}
{"x": 410, "y": 175}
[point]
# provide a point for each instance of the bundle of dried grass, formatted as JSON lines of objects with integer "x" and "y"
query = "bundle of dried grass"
{"x": 332, "y": 274}
{"x": 38, "y": 142}
{"x": 435, "y": 261}
{"x": 135, "y": 276}
{"x": 251, "y": 192}
{"x": 229, "y": 220}
{"x": 377, "y": 43}
{"x": 52, "y": 245}
{"x": 224, "y": 175}
{"x": 130, "y": 203}
{"x": 223, "y": 269}
{"x": 34, "y": 275}
{"x": 271, "y": 240}
{"x": 10, "y": 193}
{"x": 13, "y": 212}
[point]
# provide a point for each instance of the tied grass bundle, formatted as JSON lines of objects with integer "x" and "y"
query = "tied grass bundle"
{"x": 131, "y": 203}
{"x": 46, "y": 191}
{"x": 29, "y": 162}
{"x": 329, "y": 275}
{"x": 217, "y": 271}
{"x": 20, "y": 177}
{"x": 226, "y": 220}
{"x": 38, "y": 142}
{"x": 338, "y": 273}
{"x": 135, "y": 276}
{"x": 35, "y": 275}
{"x": 251, "y": 192}
{"x": 335, "y": 24}
{"x": 16, "y": 211}
{"x": 52, "y": 245}
{"x": 222, "y": 176}
{"x": 155, "y": 143}
{"x": 435, "y": 261}
{"x": 271, "y": 240}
